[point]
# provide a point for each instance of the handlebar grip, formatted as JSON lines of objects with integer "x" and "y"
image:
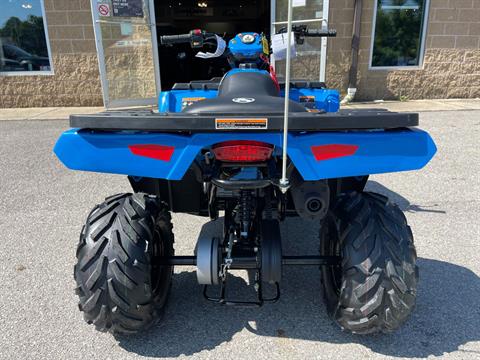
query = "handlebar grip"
{"x": 175, "y": 39}
{"x": 321, "y": 33}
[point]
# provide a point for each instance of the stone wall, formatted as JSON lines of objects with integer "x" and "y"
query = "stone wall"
{"x": 451, "y": 66}
{"x": 76, "y": 80}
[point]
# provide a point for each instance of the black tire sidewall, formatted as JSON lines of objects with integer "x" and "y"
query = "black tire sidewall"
{"x": 346, "y": 223}
{"x": 140, "y": 222}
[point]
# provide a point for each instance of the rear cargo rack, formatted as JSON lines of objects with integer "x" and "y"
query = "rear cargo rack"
{"x": 147, "y": 120}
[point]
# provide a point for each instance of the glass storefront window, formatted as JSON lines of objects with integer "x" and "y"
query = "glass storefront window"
{"x": 311, "y": 10}
{"x": 399, "y": 33}
{"x": 306, "y": 65}
{"x": 23, "y": 37}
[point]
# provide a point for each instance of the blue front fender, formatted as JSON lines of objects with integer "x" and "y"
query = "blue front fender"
{"x": 378, "y": 151}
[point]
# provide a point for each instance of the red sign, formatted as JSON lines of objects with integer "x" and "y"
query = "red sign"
{"x": 104, "y": 9}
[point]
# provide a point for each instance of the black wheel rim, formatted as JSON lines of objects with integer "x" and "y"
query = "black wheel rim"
{"x": 334, "y": 249}
{"x": 158, "y": 251}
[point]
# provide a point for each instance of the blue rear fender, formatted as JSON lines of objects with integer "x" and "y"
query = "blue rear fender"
{"x": 376, "y": 151}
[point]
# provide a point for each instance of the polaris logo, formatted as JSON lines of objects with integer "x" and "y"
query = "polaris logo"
{"x": 243, "y": 100}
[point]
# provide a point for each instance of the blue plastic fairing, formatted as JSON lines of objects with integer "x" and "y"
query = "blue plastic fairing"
{"x": 378, "y": 151}
{"x": 319, "y": 99}
{"x": 316, "y": 99}
{"x": 176, "y": 100}
{"x": 249, "y": 51}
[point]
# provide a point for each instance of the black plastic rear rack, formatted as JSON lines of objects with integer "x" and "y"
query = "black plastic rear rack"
{"x": 147, "y": 120}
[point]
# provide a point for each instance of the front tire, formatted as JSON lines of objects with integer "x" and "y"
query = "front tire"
{"x": 120, "y": 286}
{"x": 374, "y": 288}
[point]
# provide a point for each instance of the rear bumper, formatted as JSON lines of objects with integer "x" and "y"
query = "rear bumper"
{"x": 378, "y": 151}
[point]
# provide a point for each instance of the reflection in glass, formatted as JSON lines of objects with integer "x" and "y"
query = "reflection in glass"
{"x": 23, "y": 44}
{"x": 398, "y": 33}
{"x": 306, "y": 65}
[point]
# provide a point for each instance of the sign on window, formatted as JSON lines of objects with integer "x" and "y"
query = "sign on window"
{"x": 127, "y": 8}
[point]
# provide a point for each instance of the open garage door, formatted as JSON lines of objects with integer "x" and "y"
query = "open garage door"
{"x": 225, "y": 17}
{"x": 132, "y": 64}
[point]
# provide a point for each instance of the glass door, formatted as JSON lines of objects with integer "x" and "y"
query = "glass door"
{"x": 127, "y": 50}
{"x": 310, "y": 62}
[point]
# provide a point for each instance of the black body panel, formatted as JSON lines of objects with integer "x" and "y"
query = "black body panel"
{"x": 259, "y": 99}
{"x": 240, "y": 84}
{"x": 224, "y": 105}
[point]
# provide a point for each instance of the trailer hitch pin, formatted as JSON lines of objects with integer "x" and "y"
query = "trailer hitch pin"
{"x": 228, "y": 259}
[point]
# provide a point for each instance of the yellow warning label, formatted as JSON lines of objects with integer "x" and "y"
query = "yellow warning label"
{"x": 241, "y": 124}
{"x": 190, "y": 100}
{"x": 307, "y": 99}
{"x": 266, "y": 46}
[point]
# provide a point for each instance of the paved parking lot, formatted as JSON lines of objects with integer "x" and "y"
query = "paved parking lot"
{"x": 43, "y": 206}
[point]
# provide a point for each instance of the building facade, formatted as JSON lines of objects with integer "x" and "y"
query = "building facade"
{"x": 408, "y": 49}
{"x": 449, "y": 66}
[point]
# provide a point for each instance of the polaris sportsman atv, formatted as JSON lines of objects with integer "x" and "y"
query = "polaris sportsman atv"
{"x": 218, "y": 146}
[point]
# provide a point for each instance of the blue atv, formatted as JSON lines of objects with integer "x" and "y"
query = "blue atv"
{"x": 218, "y": 146}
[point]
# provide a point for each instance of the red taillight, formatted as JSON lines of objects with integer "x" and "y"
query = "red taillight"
{"x": 157, "y": 152}
{"x": 326, "y": 152}
{"x": 242, "y": 151}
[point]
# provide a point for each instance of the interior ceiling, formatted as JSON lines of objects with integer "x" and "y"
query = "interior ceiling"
{"x": 210, "y": 2}
{"x": 215, "y": 10}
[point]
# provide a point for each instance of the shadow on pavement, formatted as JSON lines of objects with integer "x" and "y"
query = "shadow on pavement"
{"x": 446, "y": 318}
{"x": 403, "y": 203}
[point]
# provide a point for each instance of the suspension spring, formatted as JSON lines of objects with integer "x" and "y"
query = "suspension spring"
{"x": 268, "y": 205}
{"x": 245, "y": 211}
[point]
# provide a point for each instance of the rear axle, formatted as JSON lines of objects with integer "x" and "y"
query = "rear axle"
{"x": 246, "y": 263}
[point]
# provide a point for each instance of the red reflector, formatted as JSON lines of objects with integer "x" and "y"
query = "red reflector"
{"x": 243, "y": 151}
{"x": 157, "y": 152}
{"x": 326, "y": 152}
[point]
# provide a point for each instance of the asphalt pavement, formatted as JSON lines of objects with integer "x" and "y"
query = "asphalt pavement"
{"x": 43, "y": 206}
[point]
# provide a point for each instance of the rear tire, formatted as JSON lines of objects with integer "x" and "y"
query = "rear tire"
{"x": 374, "y": 289}
{"x": 120, "y": 286}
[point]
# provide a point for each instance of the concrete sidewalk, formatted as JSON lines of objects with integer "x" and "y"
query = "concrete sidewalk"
{"x": 59, "y": 113}
{"x": 420, "y": 105}
{"x": 48, "y": 113}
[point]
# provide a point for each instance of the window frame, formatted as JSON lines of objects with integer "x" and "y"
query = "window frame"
{"x": 423, "y": 42}
{"x": 47, "y": 39}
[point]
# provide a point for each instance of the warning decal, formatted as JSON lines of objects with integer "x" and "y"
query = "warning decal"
{"x": 190, "y": 101}
{"x": 241, "y": 124}
{"x": 307, "y": 99}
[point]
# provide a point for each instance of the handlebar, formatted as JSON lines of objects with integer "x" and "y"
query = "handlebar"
{"x": 302, "y": 31}
{"x": 175, "y": 39}
{"x": 320, "y": 33}
{"x": 196, "y": 38}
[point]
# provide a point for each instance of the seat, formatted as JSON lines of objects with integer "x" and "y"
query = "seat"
{"x": 245, "y": 93}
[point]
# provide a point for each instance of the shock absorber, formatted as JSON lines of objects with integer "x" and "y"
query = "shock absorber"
{"x": 245, "y": 211}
